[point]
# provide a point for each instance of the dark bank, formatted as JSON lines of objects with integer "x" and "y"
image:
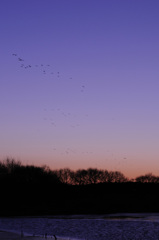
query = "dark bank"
{"x": 37, "y": 191}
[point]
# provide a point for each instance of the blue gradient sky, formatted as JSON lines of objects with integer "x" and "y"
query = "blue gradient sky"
{"x": 97, "y": 103}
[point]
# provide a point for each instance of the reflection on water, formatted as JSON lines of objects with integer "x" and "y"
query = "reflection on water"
{"x": 106, "y": 227}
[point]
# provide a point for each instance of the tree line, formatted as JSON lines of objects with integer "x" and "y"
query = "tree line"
{"x": 32, "y": 190}
{"x": 12, "y": 169}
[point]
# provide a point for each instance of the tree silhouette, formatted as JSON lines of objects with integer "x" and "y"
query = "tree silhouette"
{"x": 147, "y": 178}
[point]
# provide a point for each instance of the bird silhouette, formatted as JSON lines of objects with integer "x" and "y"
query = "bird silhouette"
{"x": 20, "y": 59}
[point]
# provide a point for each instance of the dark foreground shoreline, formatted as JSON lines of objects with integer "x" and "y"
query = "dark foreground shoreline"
{"x": 62, "y": 199}
{"x": 5, "y": 235}
{"x": 9, "y": 235}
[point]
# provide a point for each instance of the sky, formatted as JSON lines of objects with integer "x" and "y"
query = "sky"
{"x": 79, "y": 84}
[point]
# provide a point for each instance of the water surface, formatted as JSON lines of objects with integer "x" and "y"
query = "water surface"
{"x": 93, "y": 227}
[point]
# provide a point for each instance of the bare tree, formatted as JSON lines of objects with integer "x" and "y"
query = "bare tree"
{"x": 147, "y": 178}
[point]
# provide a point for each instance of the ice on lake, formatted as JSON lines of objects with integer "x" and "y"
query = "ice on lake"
{"x": 93, "y": 227}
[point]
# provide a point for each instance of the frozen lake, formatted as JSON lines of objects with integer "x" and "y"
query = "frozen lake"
{"x": 103, "y": 227}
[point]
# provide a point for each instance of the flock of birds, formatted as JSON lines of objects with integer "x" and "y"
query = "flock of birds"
{"x": 45, "y": 69}
{"x": 53, "y": 115}
{"x": 49, "y": 114}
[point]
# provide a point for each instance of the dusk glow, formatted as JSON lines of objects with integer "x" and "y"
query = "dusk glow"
{"x": 79, "y": 84}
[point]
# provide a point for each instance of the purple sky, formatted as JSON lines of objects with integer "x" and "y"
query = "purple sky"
{"x": 91, "y": 95}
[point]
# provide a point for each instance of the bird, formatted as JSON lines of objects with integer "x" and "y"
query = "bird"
{"x": 82, "y": 89}
{"x": 20, "y": 59}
